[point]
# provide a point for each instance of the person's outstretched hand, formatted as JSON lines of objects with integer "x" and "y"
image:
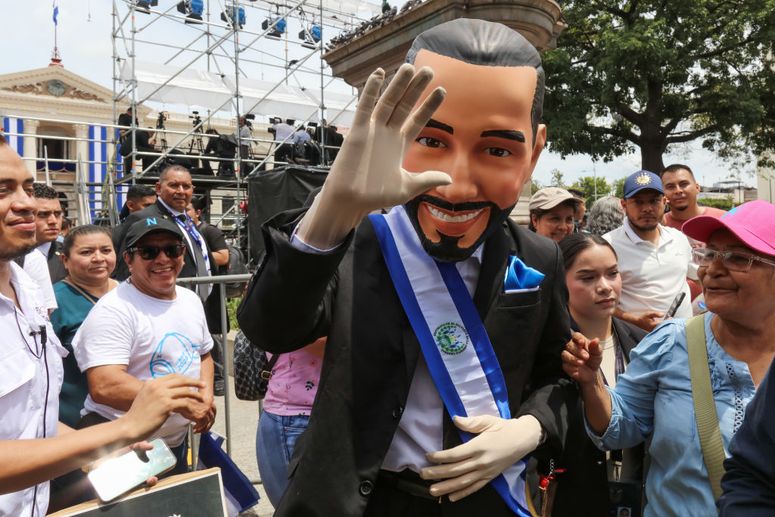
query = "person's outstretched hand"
{"x": 158, "y": 399}
{"x": 648, "y": 320}
{"x": 367, "y": 173}
{"x": 468, "y": 467}
{"x": 581, "y": 358}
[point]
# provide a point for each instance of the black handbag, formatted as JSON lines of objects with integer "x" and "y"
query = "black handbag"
{"x": 252, "y": 369}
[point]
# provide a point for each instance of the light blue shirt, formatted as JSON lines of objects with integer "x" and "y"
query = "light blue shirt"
{"x": 301, "y": 136}
{"x": 652, "y": 402}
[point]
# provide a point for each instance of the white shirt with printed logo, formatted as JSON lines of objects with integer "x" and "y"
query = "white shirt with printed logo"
{"x": 152, "y": 337}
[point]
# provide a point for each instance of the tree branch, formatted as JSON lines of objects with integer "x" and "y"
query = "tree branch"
{"x": 616, "y": 12}
{"x": 630, "y": 114}
{"x": 724, "y": 50}
{"x": 627, "y": 135}
{"x": 690, "y": 135}
{"x": 631, "y": 11}
{"x": 671, "y": 125}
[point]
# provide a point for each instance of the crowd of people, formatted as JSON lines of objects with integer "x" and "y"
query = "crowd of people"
{"x": 293, "y": 143}
{"x": 430, "y": 359}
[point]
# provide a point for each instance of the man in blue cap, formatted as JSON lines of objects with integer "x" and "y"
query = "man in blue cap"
{"x": 653, "y": 259}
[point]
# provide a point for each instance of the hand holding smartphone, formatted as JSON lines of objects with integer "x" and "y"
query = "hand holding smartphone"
{"x": 116, "y": 476}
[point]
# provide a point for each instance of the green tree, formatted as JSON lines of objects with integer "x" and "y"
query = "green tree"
{"x": 586, "y": 184}
{"x": 724, "y": 203}
{"x": 558, "y": 179}
{"x": 618, "y": 189}
{"x": 646, "y": 74}
{"x": 534, "y": 187}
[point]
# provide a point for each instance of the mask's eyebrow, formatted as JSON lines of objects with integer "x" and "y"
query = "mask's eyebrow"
{"x": 440, "y": 125}
{"x": 509, "y": 134}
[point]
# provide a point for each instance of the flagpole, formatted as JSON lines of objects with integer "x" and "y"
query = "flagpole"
{"x": 55, "y": 58}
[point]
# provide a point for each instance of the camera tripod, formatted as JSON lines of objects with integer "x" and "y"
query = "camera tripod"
{"x": 161, "y": 131}
{"x": 196, "y": 143}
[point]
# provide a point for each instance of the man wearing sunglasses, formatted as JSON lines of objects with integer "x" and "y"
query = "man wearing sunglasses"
{"x": 146, "y": 328}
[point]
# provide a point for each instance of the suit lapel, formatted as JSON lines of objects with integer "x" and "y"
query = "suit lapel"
{"x": 190, "y": 256}
{"x": 496, "y": 252}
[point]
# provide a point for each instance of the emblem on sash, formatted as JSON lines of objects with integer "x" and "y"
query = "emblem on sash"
{"x": 451, "y": 338}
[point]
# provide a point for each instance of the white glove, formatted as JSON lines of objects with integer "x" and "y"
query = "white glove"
{"x": 470, "y": 466}
{"x": 367, "y": 173}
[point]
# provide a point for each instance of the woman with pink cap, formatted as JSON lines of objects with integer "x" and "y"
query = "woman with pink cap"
{"x": 653, "y": 400}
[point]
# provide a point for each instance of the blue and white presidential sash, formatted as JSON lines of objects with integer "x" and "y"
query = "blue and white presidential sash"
{"x": 452, "y": 337}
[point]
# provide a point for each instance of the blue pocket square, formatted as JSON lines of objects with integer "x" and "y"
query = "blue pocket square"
{"x": 521, "y": 276}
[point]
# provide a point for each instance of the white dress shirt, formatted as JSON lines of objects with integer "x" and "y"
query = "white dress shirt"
{"x": 421, "y": 429}
{"x": 36, "y": 266}
{"x": 30, "y": 380}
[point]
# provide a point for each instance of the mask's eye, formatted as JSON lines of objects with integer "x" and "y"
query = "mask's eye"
{"x": 428, "y": 141}
{"x": 498, "y": 151}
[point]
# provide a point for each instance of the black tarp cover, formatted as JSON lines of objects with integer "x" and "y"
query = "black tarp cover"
{"x": 274, "y": 191}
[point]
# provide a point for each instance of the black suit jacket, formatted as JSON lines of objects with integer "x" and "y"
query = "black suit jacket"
{"x": 56, "y": 268}
{"x": 372, "y": 352}
{"x": 585, "y": 480}
{"x": 119, "y": 237}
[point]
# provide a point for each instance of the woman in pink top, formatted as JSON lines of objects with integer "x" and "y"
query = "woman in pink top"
{"x": 285, "y": 416}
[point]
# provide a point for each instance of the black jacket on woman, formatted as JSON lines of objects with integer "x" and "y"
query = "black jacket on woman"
{"x": 582, "y": 490}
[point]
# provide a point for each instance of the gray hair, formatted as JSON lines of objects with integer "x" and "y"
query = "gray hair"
{"x": 605, "y": 215}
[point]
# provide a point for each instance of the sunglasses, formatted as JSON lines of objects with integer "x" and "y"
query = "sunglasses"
{"x": 151, "y": 252}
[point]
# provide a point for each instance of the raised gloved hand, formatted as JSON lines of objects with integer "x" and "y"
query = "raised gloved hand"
{"x": 470, "y": 466}
{"x": 367, "y": 173}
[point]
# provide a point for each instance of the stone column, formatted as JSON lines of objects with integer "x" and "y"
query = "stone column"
{"x": 82, "y": 147}
{"x": 31, "y": 145}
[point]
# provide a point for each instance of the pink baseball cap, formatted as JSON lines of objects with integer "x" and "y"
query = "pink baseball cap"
{"x": 752, "y": 222}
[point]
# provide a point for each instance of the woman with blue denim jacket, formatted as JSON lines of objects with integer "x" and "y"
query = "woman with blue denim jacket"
{"x": 652, "y": 401}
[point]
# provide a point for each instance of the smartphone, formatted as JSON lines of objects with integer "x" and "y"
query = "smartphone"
{"x": 674, "y": 306}
{"x": 121, "y": 474}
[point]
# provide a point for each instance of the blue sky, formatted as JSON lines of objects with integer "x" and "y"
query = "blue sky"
{"x": 86, "y": 48}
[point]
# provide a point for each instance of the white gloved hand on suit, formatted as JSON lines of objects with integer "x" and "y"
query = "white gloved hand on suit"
{"x": 468, "y": 467}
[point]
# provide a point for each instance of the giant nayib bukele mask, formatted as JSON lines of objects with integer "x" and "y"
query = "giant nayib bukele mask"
{"x": 485, "y": 135}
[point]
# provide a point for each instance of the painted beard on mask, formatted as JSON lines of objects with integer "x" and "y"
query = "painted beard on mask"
{"x": 447, "y": 249}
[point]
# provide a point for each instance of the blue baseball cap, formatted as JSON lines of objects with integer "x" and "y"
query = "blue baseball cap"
{"x": 641, "y": 180}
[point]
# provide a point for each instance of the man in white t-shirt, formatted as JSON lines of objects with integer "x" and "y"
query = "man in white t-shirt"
{"x": 144, "y": 329}
{"x": 653, "y": 259}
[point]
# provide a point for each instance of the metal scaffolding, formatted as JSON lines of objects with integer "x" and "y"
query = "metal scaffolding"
{"x": 221, "y": 46}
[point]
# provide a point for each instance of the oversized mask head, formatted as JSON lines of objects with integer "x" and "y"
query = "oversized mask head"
{"x": 485, "y": 135}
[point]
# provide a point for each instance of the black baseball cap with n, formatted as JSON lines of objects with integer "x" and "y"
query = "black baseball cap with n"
{"x": 148, "y": 225}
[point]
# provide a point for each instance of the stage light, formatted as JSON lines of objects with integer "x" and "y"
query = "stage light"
{"x": 278, "y": 27}
{"x": 311, "y": 35}
{"x": 193, "y": 10}
{"x": 228, "y": 15}
{"x": 144, "y": 6}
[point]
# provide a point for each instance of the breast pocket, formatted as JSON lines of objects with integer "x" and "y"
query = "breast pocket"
{"x": 526, "y": 298}
{"x": 16, "y": 373}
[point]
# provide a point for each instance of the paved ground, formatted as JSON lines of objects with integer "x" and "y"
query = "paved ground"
{"x": 243, "y": 421}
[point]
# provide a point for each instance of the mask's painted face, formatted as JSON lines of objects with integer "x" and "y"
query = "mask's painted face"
{"x": 482, "y": 137}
